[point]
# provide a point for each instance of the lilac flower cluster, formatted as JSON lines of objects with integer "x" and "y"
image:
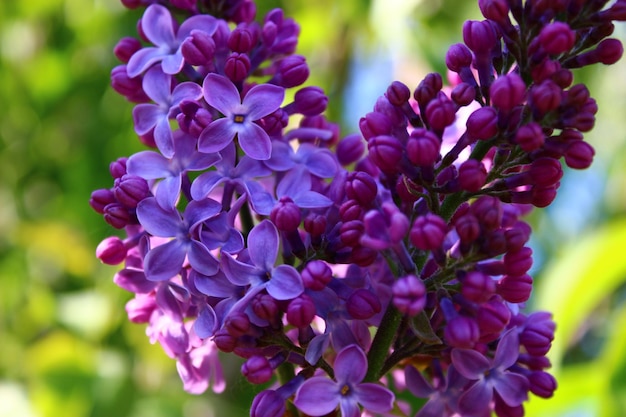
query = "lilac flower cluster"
{"x": 330, "y": 261}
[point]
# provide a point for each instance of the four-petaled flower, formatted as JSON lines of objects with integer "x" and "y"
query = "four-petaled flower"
{"x": 259, "y": 101}
{"x": 319, "y": 395}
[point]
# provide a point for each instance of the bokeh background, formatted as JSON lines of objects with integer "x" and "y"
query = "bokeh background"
{"x": 66, "y": 348}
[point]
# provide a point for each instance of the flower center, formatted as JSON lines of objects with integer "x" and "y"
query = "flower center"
{"x": 345, "y": 390}
{"x": 239, "y": 118}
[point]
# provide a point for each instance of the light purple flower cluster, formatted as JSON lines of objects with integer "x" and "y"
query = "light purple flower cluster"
{"x": 253, "y": 233}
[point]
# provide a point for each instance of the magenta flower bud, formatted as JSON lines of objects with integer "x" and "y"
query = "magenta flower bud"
{"x": 488, "y": 211}
{"x": 579, "y": 155}
{"x": 292, "y": 71}
{"x": 257, "y": 369}
{"x": 315, "y": 224}
{"x": 477, "y": 286}
{"x": 557, "y": 38}
{"x": 545, "y": 97}
{"x": 538, "y": 333}
{"x": 286, "y": 215}
{"x": 542, "y": 384}
{"x": 494, "y": 243}
{"x": 131, "y": 88}
{"x": 116, "y": 215}
{"x": 398, "y": 93}
{"x": 198, "y": 48}
{"x": 545, "y": 172}
{"x": 467, "y": 227}
{"x": 361, "y": 187}
{"x": 264, "y": 306}
{"x": 458, "y": 57}
{"x": 193, "y": 118}
{"x": 350, "y": 149}
{"x": 472, "y": 175}
{"x": 351, "y": 210}
{"x": 140, "y": 308}
{"x": 237, "y": 324}
{"x": 225, "y": 341}
{"x": 519, "y": 262}
{"x": 543, "y": 196}
{"x": 517, "y": 236}
{"x": 132, "y": 4}
{"x": 461, "y": 332}
{"x": 515, "y": 289}
{"x": 126, "y": 47}
{"x": 100, "y": 199}
{"x": 117, "y": 168}
{"x": 111, "y": 251}
{"x": 482, "y": 124}
{"x": 268, "y": 403}
{"x": 301, "y": 311}
{"x": 608, "y": 52}
{"x": 496, "y": 10}
{"x": 375, "y": 124}
{"x": 428, "y": 232}
{"x": 616, "y": 12}
{"x": 409, "y": 295}
{"x": 245, "y": 12}
{"x": 428, "y": 88}
{"x": 492, "y": 317}
{"x": 407, "y": 190}
{"x": 237, "y": 67}
{"x": 350, "y": 232}
{"x": 184, "y": 4}
{"x": 316, "y": 275}
{"x": 507, "y": 91}
{"x": 479, "y": 36}
{"x": 423, "y": 147}
{"x": 463, "y": 94}
{"x": 363, "y": 304}
{"x": 242, "y": 39}
{"x": 386, "y": 153}
{"x": 130, "y": 190}
{"x": 530, "y": 137}
{"x": 440, "y": 112}
{"x": 310, "y": 101}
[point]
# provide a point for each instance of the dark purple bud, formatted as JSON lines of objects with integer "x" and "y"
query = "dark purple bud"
{"x": 479, "y": 36}
{"x": 545, "y": 97}
{"x": 242, "y": 39}
{"x": 557, "y": 38}
{"x": 519, "y": 262}
{"x": 132, "y": 4}
{"x": 131, "y": 88}
{"x": 351, "y": 210}
{"x": 116, "y": 215}
{"x": 245, "y": 12}
{"x": 482, "y": 124}
{"x": 117, "y": 168}
{"x": 488, "y": 211}
{"x": 375, "y": 124}
{"x": 301, "y": 311}
{"x": 398, "y": 93}
{"x": 579, "y": 155}
{"x": 467, "y": 227}
{"x": 616, "y": 12}
{"x": 198, "y": 48}
{"x": 440, "y": 112}
{"x": 530, "y": 137}
{"x": 496, "y": 10}
{"x": 463, "y": 94}
{"x": 264, "y": 306}
{"x": 385, "y": 152}
{"x": 494, "y": 243}
{"x": 237, "y": 67}
{"x": 111, "y": 251}
{"x": 268, "y": 403}
{"x": 286, "y": 215}
{"x": 237, "y": 324}
{"x": 315, "y": 224}
{"x": 423, "y": 147}
{"x": 310, "y": 101}
{"x": 350, "y": 149}
{"x": 316, "y": 275}
{"x": 257, "y": 369}
{"x": 428, "y": 88}
{"x": 545, "y": 171}
{"x": 130, "y": 190}
{"x": 224, "y": 341}
{"x": 542, "y": 384}
{"x": 507, "y": 91}
{"x": 477, "y": 286}
{"x": 407, "y": 190}
{"x": 363, "y": 256}
{"x": 428, "y": 232}
{"x": 292, "y": 71}
{"x": 193, "y": 118}
{"x": 458, "y": 57}
{"x": 461, "y": 332}
{"x": 351, "y": 232}
{"x": 269, "y": 32}
{"x": 363, "y": 304}
{"x": 126, "y": 47}
{"x": 100, "y": 199}
{"x": 538, "y": 333}
{"x": 472, "y": 175}
{"x": 515, "y": 289}
{"x": 361, "y": 187}
{"x": 608, "y": 52}
{"x": 492, "y": 317}
{"x": 409, "y": 295}
{"x": 517, "y": 236}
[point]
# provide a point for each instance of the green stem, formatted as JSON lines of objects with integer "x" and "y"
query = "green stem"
{"x": 383, "y": 339}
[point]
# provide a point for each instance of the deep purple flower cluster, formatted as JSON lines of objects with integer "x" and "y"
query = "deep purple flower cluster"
{"x": 252, "y": 232}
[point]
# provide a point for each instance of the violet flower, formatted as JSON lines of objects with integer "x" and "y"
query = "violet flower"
{"x": 319, "y": 395}
{"x": 259, "y": 101}
{"x": 146, "y": 116}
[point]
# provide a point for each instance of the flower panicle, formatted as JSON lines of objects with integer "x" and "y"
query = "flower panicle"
{"x": 285, "y": 243}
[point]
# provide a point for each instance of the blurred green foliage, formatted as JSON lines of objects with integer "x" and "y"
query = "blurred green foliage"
{"x": 66, "y": 347}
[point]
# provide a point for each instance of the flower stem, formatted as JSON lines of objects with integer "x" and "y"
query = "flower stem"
{"x": 382, "y": 342}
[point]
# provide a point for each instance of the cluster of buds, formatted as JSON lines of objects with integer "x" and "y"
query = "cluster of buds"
{"x": 327, "y": 262}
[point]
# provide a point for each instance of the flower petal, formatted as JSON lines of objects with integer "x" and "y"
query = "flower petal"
{"x": 186, "y": 91}
{"x": 156, "y": 220}
{"x": 201, "y": 259}
{"x": 477, "y": 399}
{"x": 165, "y": 261}
{"x": 317, "y": 396}
{"x": 285, "y": 283}
{"x": 512, "y": 387}
{"x": 469, "y": 363}
{"x": 416, "y": 383}
{"x": 198, "y": 211}
{"x": 204, "y": 184}
{"x": 206, "y": 322}
{"x": 281, "y": 158}
{"x": 143, "y": 59}
{"x": 374, "y": 397}
{"x": 163, "y": 137}
{"x": 263, "y": 99}
{"x": 237, "y": 272}
{"x": 311, "y": 199}
{"x": 217, "y": 135}
{"x": 173, "y": 63}
{"x": 221, "y": 94}
{"x": 204, "y": 23}
{"x": 263, "y": 245}
{"x": 148, "y": 165}
{"x": 507, "y": 351}
{"x": 321, "y": 162}
{"x": 146, "y": 116}
{"x": 158, "y": 86}
{"x": 168, "y": 191}
{"x": 349, "y": 407}
{"x": 157, "y": 25}
{"x": 255, "y": 142}
{"x": 350, "y": 365}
